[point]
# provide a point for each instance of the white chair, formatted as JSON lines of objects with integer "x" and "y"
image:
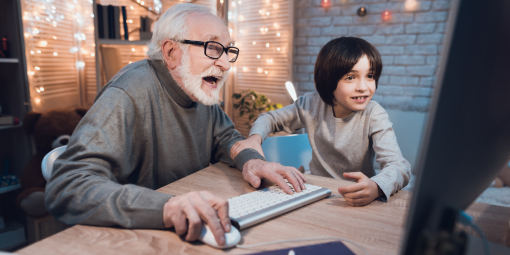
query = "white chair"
{"x": 49, "y": 159}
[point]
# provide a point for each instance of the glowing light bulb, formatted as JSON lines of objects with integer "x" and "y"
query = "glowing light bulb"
{"x": 266, "y": 72}
{"x": 261, "y": 29}
{"x": 54, "y": 38}
{"x": 132, "y": 7}
{"x": 43, "y": 43}
{"x": 245, "y": 68}
{"x": 130, "y": 62}
{"x": 278, "y": 49}
{"x": 54, "y": 24}
{"x": 80, "y": 64}
{"x": 55, "y": 54}
{"x": 38, "y": 51}
{"x": 233, "y": 4}
{"x": 130, "y": 21}
{"x": 239, "y": 2}
{"x": 32, "y": 52}
{"x": 27, "y": 34}
{"x": 31, "y": 73}
{"x": 41, "y": 88}
{"x": 386, "y": 15}
{"x": 254, "y": 42}
{"x": 267, "y": 44}
{"x": 133, "y": 49}
{"x": 43, "y": 7}
{"x": 37, "y": 90}
{"x": 266, "y": 29}
{"x": 261, "y": 11}
{"x": 241, "y": 18}
{"x": 92, "y": 54}
{"x": 37, "y": 100}
{"x": 73, "y": 50}
{"x": 142, "y": 3}
{"x": 267, "y": 13}
{"x": 278, "y": 34}
{"x": 275, "y": 6}
{"x": 258, "y": 56}
{"x": 92, "y": 15}
{"x": 37, "y": 68}
{"x": 241, "y": 31}
{"x": 259, "y": 70}
{"x": 411, "y": 5}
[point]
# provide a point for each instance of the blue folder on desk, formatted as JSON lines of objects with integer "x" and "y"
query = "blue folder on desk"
{"x": 333, "y": 248}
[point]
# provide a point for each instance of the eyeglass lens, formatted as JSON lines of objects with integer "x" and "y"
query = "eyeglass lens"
{"x": 214, "y": 50}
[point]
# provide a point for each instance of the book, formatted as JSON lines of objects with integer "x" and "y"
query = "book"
{"x": 111, "y": 22}
{"x": 100, "y": 29}
{"x": 8, "y": 120}
{"x": 124, "y": 21}
{"x": 106, "y": 33}
{"x": 116, "y": 21}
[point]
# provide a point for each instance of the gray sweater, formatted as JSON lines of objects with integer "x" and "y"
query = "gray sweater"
{"x": 343, "y": 144}
{"x": 143, "y": 132}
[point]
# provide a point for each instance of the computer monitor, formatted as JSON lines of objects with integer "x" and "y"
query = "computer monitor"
{"x": 467, "y": 138}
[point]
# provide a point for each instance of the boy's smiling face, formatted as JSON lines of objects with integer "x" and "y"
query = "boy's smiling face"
{"x": 354, "y": 90}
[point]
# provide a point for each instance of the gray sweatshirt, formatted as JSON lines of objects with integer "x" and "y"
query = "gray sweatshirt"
{"x": 142, "y": 133}
{"x": 343, "y": 144}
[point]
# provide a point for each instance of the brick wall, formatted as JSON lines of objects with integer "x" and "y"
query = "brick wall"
{"x": 409, "y": 43}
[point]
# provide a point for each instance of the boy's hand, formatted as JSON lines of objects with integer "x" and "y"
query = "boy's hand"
{"x": 363, "y": 192}
{"x": 253, "y": 142}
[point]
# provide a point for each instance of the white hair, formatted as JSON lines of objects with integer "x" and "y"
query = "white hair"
{"x": 173, "y": 25}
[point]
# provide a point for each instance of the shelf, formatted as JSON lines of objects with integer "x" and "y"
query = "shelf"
{"x": 123, "y": 42}
{"x": 11, "y": 126}
{"x": 9, "y": 188}
{"x": 9, "y": 60}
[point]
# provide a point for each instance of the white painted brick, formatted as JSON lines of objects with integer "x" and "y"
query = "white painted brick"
{"x": 333, "y": 31}
{"x": 390, "y": 90}
{"x": 432, "y": 38}
{"x": 404, "y": 80}
{"x": 362, "y": 30}
{"x": 343, "y": 20}
{"x": 398, "y": 70}
{"x": 418, "y": 91}
{"x": 420, "y": 104}
{"x": 409, "y": 60}
{"x": 308, "y": 50}
{"x": 396, "y": 102}
{"x": 421, "y": 70}
{"x": 378, "y": 98}
{"x": 333, "y": 11}
{"x": 431, "y": 16}
{"x": 375, "y": 39}
{"x": 311, "y": 77}
{"x": 387, "y": 60}
{"x": 318, "y": 41}
{"x": 303, "y": 3}
{"x": 420, "y": 28}
{"x": 300, "y": 41}
{"x": 384, "y": 79}
{"x": 421, "y": 49}
{"x": 350, "y": 9}
{"x": 313, "y": 59}
{"x": 441, "y": 28}
{"x": 389, "y": 29}
{"x": 308, "y": 31}
{"x": 302, "y": 59}
{"x": 313, "y": 12}
{"x": 301, "y": 22}
{"x": 369, "y": 19}
{"x": 306, "y": 68}
{"x": 401, "y": 17}
{"x": 319, "y": 22}
{"x": 308, "y": 86}
{"x": 400, "y": 39}
{"x": 441, "y": 5}
{"x": 427, "y": 81}
{"x": 301, "y": 77}
{"x": 390, "y": 50}
{"x": 381, "y": 7}
{"x": 432, "y": 60}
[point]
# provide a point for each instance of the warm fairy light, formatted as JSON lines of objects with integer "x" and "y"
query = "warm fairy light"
{"x": 259, "y": 70}
{"x": 37, "y": 68}
{"x": 35, "y": 30}
{"x": 276, "y": 25}
{"x": 241, "y": 31}
{"x": 278, "y": 34}
{"x": 261, "y": 29}
{"x": 43, "y": 7}
{"x": 54, "y": 23}
{"x": 54, "y": 38}
{"x": 386, "y": 15}
{"x": 241, "y": 18}
{"x": 267, "y": 13}
{"x": 221, "y": 1}
{"x": 133, "y": 49}
{"x": 132, "y": 7}
{"x": 267, "y": 45}
{"x": 142, "y": 3}
{"x": 27, "y": 34}
{"x": 41, "y": 88}
{"x": 278, "y": 49}
{"x": 55, "y": 54}
{"x": 92, "y": 15}
{"x": 37, "y": 100}
{"x": 254, "y": 42}
{"x": 258, "y": 56}
{"x": 275, "y": 6}
{"x": 266, "y": 29}
{"x": 73, "y": 49}
{"x": 269, "y": 61}
{"x": 53, "y": 7}
{"x": 245, "y": 68}
{"x": 38, "y": 51}
{"x": 325, "y": 3}
{"x": 32, "y": 52}
{"x": 130, "y": 62}
{"x": 92, "y": 54}
{"x": 411, "y": 5}
{"x": 266, "y": 72}
{"x": 138, "y": 1}
{"x": 80, "y": 64}
{"x": 261, "y": 11}
{"x": 62, "y": 16}
{"x": 130, "y": 21}
{"x": 239, "y": 2}
{"x": 37, "y": 90}
{"x": 31, "y": 73}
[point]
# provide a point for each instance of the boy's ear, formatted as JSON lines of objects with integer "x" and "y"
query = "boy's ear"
{"x": 30, "y": 120}
{"x": 81, "y": 111}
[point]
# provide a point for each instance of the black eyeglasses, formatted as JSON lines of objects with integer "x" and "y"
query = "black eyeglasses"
{"x": 214, "y": 49}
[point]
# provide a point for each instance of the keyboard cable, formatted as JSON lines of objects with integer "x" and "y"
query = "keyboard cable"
{"x": 303, "y": 240}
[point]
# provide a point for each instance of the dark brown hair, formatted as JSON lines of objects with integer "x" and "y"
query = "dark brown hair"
{"x": 337, "y": 58}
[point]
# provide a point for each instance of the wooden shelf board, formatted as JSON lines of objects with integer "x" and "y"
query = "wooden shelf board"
{"x": 9, "y": 188}
{"x": 11, "y": 126}
{"x": 9, "y": 60}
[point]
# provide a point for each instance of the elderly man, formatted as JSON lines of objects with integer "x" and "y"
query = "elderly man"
{"x": 155, "y": 122}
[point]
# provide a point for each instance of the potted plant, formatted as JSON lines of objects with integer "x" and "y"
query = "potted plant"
{"x": 251, "y": 103}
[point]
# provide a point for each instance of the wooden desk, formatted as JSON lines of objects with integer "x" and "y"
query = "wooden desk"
{"x": 378, "y": 227}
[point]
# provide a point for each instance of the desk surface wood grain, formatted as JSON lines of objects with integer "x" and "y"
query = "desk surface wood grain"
{"x": 378, "y": 227}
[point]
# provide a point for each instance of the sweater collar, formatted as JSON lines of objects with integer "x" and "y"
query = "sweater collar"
{"x": 168, "y": 82}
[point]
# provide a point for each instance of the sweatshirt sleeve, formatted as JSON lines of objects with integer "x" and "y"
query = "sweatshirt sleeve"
{"x": 225, "y": 136}
{"x": 289, "y": 119}
{"x": 395, "y": 169}
{"x": 84, "y": 187}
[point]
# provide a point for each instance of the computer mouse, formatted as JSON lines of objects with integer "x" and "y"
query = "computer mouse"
{"x": 231, "y": 239}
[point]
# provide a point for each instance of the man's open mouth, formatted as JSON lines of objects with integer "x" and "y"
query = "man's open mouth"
{"x": 211, "y": 79}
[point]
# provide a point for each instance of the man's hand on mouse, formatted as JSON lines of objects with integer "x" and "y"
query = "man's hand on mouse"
{"x": 363, "y": 192}
{"x": 187, "y": 212}
{"x": 256, "y": 169}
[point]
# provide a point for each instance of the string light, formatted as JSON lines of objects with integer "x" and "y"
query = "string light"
{"x": 233, "y": 4}
{"x": 54, "y": 38}
{"x": 267, "y": 45}
{"x": 254, "y": 42}
{"x": 92, "y": 54}
{"x": 32, "y": 52}
{"x": 258, "y": 56}
{"x": 37, "y": 68}
{"x": 386, "y": 15}
{"x": 261, "y": 11}
{"x": 266, "y": 72}
{"x": 38, "y": 51}
{"x": 37, "y": 100}
{"x": 41, "y": 88}
{"x": 411, "y": 5}
{"x": 133, "y": 49}
{"x": 277, "y": 34}
{"x": 267, "y": 13}
{"x": 31, "y": 73}
{"x": 325, "y": 3}
{"x": 132, "y": 8}
{"x": 43, "y": 43}
{"x": 55, "y": 54}
{"x": 278, "y": 49}
{"x": 259, "y": 70}
{"x": 245, "y": 68}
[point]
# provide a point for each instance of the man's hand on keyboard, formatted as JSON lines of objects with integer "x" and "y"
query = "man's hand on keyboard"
{"x": 363, "y": 192}
{"x": 186, "y": 212}
{"x": 254, "y": 170}
{"x": 252, "y": 142}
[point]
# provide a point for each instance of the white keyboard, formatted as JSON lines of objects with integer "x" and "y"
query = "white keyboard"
{"x": 258, "y": 206}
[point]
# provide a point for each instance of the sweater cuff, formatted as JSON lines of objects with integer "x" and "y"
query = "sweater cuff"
{"x": 246, "y": 155}
{"x": 258, "y": 131}
{"x": 385, "y": 186}
{"x": 158, "y": 201}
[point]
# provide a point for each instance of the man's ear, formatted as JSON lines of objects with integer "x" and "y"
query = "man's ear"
{"x": 30, "y": 120}
{"x": 169, "y": 48}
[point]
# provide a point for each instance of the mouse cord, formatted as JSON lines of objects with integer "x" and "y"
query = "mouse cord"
{"x": 303, "y": 240}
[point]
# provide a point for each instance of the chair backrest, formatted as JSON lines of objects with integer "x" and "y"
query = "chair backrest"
{"x": 49, "y": 159}
{"x": 290, "y": 150}
{"x": 112, "y": 62}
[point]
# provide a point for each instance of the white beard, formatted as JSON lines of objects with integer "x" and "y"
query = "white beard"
{"x": 193, "y": 83}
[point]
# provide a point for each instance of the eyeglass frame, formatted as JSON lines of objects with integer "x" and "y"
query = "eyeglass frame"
{"x": 201, "y": 43}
